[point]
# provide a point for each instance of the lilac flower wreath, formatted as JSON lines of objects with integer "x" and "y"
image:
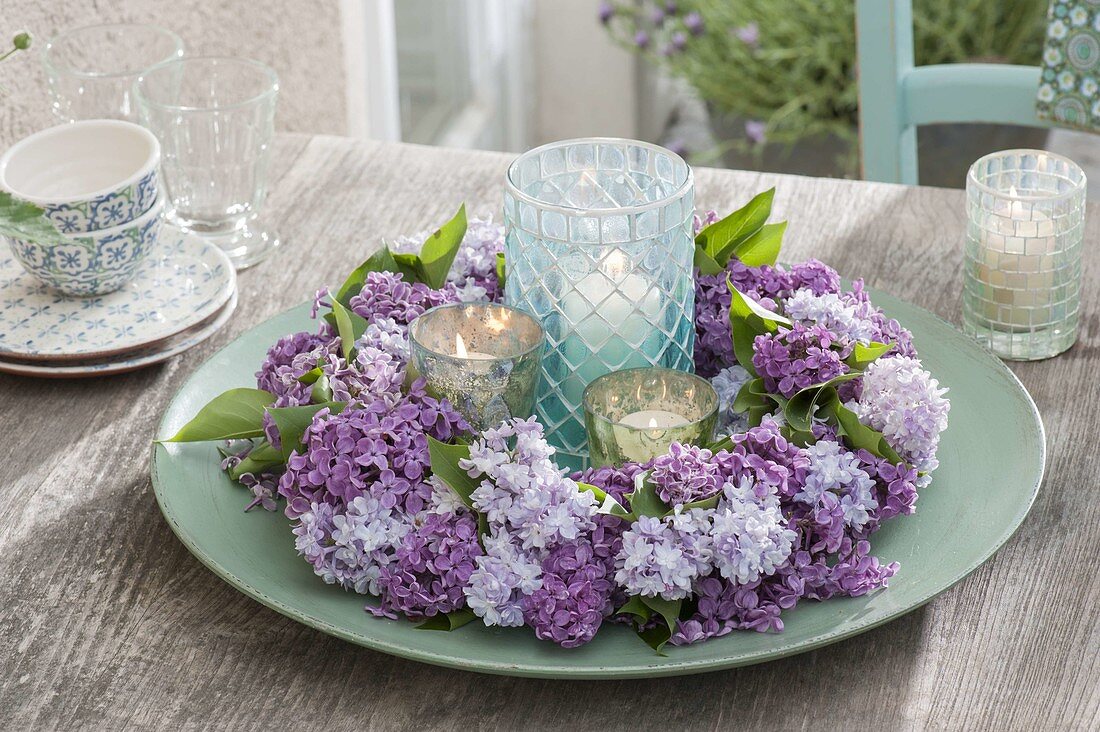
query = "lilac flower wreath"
{"x": 829, "y": 425}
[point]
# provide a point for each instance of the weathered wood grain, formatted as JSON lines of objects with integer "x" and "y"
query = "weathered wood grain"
{"x": 107, "y": 622}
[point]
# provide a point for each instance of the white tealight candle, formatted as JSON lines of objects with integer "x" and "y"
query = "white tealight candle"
{"x": 654, "y": 419}
{"x": 461, "y": 352}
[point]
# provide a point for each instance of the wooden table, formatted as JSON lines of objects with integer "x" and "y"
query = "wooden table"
{"x": 107, "y": 621}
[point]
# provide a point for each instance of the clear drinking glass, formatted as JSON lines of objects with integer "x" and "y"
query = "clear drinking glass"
{"x": 91, "y": 70}
{"x": 1025, "y": 227}
{"x": 215, "y": 117}
{"x": 599, "y": 248}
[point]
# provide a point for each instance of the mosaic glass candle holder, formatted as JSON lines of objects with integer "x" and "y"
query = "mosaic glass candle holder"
{"x": 1025, "y": 227}
{"x": 599, "y": 248}
{"x": 482, "y": 358}
{"x": 635, "y": 414}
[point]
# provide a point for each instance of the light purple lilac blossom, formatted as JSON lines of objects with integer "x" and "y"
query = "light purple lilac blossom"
{"x": 685, "y": 474}
{"x": 903, "y": 402}
{"x": 727, "y": 383}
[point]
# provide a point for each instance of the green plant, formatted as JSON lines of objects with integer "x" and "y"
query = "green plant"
{"x": 788, "y": 67}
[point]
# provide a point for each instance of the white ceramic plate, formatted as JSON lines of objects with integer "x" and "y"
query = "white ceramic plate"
{"x": 120, "y": 365}
{"x": 185, "y": 280}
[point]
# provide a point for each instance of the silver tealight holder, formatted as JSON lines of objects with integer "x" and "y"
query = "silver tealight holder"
{"x": 482, "y": 358}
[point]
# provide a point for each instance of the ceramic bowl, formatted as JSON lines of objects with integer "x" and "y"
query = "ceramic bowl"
{"x": 92, "y": 263}
{"x": 88, "y": 176}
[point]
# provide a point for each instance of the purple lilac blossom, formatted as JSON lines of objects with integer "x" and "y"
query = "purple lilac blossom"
{"x": 606, "y": 12}
{"x": 286, "y": 361}
{"x": 903, "y": 402}
{"x": 686, "y": 473}
{"x": 574, "y": 598}
{"x": 887, "y": 330}
{"x": 523, "y": 491}
{"x": 765, "y": 284}
{"x": 504, "y": 575}
{"x": 749, "y": 534}
{"x": 654, "y": 560}
{"x": 377, "y": 449}
{"x": 431, "y": 566}
{"x": 770, "y": 459}
{"x": 839, "y": 316}
{"x": 895, "y": 485}
{"x": 386, "y": 295}
{"x": 797, "y": 357}
{"x": 836, "y": 480}
{"x": 349, "y": 548}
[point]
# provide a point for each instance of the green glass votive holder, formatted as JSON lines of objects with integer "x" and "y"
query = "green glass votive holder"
{"x": 482, "y": 358}
{"x": 634, "y": 415}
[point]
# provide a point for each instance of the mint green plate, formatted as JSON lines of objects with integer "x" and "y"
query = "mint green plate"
{"x": 991, "y": 456}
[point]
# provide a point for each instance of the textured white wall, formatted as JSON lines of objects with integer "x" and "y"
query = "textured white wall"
{"x": 300, "y": 39}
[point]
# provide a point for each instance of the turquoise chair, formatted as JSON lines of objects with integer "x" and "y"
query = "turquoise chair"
{"x": 895, "y": 96}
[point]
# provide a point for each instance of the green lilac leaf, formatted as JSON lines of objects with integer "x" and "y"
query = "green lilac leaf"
{"x": 744, "y": 307}
{"x": 743, "y": 336}
{"x": 634, "y": 606}
{"x": 321, "y": 391}
{"x": 861, "y": 437}
{"x": 311, "y": 376}
{"x": 439, "y": 250}
{"x": 350, "y": 326}
{"x": 380, "y": 261}
{"x": 293, "y": 421}
{"x": 749, "y": 395}
{"x": 761, "y": 248}
{"x": 862, "y": 355}
{"x": 705, "y": 263}
{"x": 448, "y": 621}
{"x": 644, "y": 501}
{"x": 24, "y": 220}
{"x": 502, "y": 270}
{"x": 445, "y": 459}
{"x": 800, "y": 409}
{"x": 736, "y": 227}
{"x": 669, "y": 610}
{"x": 608, "y": 504}
{"x": 232, "y": 415}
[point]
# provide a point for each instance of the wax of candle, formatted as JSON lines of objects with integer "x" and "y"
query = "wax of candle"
{"x": 461, "y": 352}
{"x": 612, "y": 316}
{"x": 654, "y": 419}
{"x": 1015, "y": 264}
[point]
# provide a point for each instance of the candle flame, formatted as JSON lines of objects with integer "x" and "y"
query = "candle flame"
{"x": 460, "y": 346}
{"x": 615, "y": 264}
{"x": 652, "y": 423}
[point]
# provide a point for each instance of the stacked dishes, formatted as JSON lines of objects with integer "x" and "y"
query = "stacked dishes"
{"x": 113, "y": 289}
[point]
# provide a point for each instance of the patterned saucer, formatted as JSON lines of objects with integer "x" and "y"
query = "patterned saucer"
{"x": 185, "y": 280}
{"x": 120, "y": 365}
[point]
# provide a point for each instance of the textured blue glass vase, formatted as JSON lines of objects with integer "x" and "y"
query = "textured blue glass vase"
{"x": 599, "y": 248}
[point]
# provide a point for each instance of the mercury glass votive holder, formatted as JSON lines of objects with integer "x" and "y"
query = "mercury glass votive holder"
{"x": 482, "y": 358}
{"x": 599, "y": 248}
{"x": 634, "y": 415}
{"x": 1022, "y": 277}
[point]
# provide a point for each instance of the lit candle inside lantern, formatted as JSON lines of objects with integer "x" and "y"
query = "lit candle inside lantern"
{"x": 461, "y": 352}
{"x": 482, "y": 358}
{"x": 613, "y": 315}
{"x": 636, "y": 414}
{"x": 653, "y": 419}
{"x": 1015, "y": 264}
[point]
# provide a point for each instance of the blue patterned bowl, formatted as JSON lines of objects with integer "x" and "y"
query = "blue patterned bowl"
{"x": 88, "y": 176}
{"x": 94, "y": 263}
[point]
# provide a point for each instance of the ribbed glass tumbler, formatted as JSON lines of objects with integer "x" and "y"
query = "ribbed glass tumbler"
{"x": 599, "y": 248}
{"x": 1022, "y": 279}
